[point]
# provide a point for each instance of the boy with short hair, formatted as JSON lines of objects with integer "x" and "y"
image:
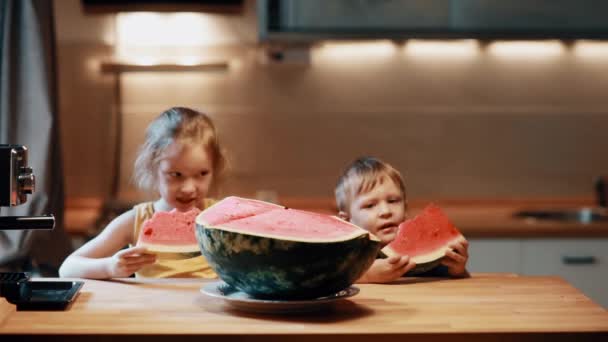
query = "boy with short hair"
{"x": 371, "y": 194}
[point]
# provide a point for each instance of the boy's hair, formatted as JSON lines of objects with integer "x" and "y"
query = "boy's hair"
{"x": 177, "y": 124}
{"x": 361, "y": 176}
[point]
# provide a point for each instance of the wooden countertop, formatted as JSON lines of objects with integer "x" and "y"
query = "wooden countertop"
{"x": 496, "y": 221}
{"x": 483, "y": 307}
{"x": 481, "y": 218}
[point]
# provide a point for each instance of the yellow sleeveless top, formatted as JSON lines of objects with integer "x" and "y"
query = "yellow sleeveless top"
{"x": 171, "y": 265}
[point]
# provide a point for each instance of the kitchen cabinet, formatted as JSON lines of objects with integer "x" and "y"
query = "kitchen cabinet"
{"x": 582, "y": 262}
{"x": 530, "y": 15}
{"x": 294, "y": 20}
{"x": 360, "y": 15}
{"x": 495, "y": 255}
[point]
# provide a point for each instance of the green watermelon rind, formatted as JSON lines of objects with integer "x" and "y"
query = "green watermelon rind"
{"x": 424, "y": 267}
{"x": 273, "y": 268}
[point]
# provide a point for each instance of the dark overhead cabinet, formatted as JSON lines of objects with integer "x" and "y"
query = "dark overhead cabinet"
{"x": 309, "y": 20}
{"x": 115, "y": 6}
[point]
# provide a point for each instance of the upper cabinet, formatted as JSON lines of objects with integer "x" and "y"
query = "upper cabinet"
{"x": 208, "y": 6}
{"x": 309, "y": 20}
{"x": 542, "y": 17}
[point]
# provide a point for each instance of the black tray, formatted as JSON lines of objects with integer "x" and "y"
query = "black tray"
{"x": 46, "y": 295}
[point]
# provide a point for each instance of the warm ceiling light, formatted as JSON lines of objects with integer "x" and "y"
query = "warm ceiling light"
{"x": 526, "y": 49}
{"x": 168, "y": 35}
{"x": 178, "y": 29}
{"x": 139, "y": 29}
{"x": 465, "y": 48}
{"x": 145, "y": 60}
{"x": 357, "y": 50}
{"x": 590, "y": 49}
{"x": 188, "y": 60}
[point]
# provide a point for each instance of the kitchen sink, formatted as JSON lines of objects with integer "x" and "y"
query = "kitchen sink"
{"x": 573, "y": 215}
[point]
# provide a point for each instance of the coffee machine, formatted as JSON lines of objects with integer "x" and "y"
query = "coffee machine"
{"x": 17, "y": 180}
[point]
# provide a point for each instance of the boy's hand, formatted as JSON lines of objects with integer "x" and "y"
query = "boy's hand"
{"x": 386, "y": 270}
{"x": 456, "y": 258}
{"x": 128, "y": 261}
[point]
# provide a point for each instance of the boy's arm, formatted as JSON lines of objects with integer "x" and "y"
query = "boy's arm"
{"x": 387, "y": 270}
{"x": 456, "y": 258}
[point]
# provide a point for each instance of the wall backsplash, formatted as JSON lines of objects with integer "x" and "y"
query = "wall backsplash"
{"x": 480, "y": 127}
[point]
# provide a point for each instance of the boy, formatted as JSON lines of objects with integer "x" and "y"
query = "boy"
{"x": 371, "y": 194}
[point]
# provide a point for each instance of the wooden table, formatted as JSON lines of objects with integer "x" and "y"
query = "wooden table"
{"x": 484, "y": 307}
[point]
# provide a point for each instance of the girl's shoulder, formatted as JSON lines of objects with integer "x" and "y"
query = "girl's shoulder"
{"x": 207, "y": 202}
{"x": 145, "y": 208}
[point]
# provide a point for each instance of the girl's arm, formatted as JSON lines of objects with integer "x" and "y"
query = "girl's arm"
{"x": 102, "y": 257}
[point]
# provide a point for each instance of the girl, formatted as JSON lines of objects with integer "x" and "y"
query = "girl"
{"x": 180, "y": 159}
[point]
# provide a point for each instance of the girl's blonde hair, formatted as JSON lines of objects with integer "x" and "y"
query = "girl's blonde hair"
{"x": 361, "y": 176}
{"x": 177, "y": 124}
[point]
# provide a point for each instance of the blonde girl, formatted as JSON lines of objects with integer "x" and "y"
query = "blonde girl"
{"x": 181, "y": 160}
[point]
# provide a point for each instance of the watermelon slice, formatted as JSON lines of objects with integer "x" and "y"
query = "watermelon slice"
{"x": 425, "y": 239}
{"x": 170, "y": 232}
{"x": 270, "y": 251}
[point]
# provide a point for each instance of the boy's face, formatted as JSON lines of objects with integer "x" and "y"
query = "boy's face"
{"x": 379, "y": 211}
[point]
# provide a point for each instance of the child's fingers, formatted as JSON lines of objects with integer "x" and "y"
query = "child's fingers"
{"x": 402, "y": 264}
{"x": 460, "y": 247}
{"x": 135, "y": 256}
{"x": 137, "y": 265}
{"x": 393, "y": 259}
{"x": 131, "y": 251}
{"x": 401, "y": 261}
{"x": 449, "y": 263}
{"x": 455, "y": 256}
{"x": 407, "y": 267}
{"x": 127, "y": 270}
{"x": 145, "y": 258}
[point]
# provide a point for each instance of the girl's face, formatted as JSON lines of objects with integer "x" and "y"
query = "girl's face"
{"x": 185, "y": 173}
{"x": 379, "y": 211}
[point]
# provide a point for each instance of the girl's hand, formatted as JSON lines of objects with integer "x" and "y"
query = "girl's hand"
{"x": 456, "y": 258}
{"x": 386, "y": 270}
{"x": 128, "y": 261}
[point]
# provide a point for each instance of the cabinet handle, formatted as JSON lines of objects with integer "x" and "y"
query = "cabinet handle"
{"x": 579, "y": 260}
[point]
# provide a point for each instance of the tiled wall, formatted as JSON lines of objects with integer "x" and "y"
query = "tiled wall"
{"x": 478, "y": 127}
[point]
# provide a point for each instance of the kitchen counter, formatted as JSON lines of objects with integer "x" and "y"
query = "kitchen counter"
{"x": 474, "y": 218}
{"x": 483, "y": 307}
{"x": 491, "y": 218}
{"x": 497, "y": 221}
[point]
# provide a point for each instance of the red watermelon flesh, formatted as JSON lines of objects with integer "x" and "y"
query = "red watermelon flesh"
{"x": 425, "y": 238}
{"x": 231, "y": 210}
{"x": 171, "y": 231}
{"x": 260, "y": 218}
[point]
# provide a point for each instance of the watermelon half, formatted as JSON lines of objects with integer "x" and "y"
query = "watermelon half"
{"x": 170, "y": 232}
{"x": 270, "y": 251}
{"x": 425, "y": 239}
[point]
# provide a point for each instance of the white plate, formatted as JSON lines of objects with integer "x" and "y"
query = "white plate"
{"x": 242, "y": 301}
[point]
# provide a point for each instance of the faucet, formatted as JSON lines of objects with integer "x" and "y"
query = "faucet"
{"x": 600, "y": 192}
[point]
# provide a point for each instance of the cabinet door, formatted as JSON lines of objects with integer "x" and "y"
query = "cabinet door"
{"x": 355, "y": 16}
{"x": 529, "y": 15}
{"x": 494, "y": 255}
{"x": 582, "y": 262}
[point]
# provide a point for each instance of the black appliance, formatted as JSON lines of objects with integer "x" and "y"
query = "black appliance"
{"x": 17, "y": 180}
